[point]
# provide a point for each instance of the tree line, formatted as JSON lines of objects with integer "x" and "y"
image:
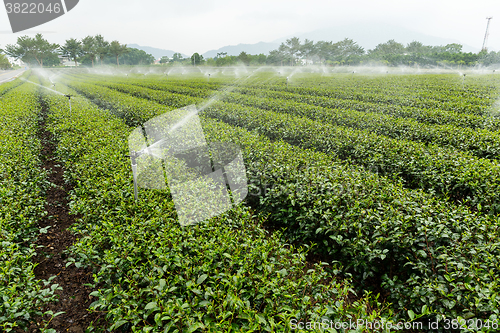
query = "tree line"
{"x": 95, "y": 49}
{"x": 347, "y": 52}
{"x": 390, "y": 53}
{"x": 88, "y": 51}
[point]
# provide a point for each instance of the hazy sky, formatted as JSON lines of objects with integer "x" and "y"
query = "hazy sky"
{"x": 189, "y": 26}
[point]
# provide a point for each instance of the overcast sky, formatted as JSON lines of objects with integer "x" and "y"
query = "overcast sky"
{"x": 189, "y": 26}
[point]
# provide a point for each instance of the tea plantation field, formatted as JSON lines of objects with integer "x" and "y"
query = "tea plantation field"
{"x": 373, "y": 199}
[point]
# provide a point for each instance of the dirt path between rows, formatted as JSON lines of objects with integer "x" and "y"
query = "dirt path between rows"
{"x": 74, "y": 299}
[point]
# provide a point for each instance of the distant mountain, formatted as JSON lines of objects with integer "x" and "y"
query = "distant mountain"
{"x": 234, "y": 50}
{"x": 157, "y": 53}
{"x": 369, "y": 35}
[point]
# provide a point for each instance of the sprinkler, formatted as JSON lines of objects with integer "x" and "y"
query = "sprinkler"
{"x": 463, "y": 81}
{"x": 287, "y": 81}
{"x": 133, "y": 158}
{"x": 69, "y": 100}
{"x": 208, "y": 76}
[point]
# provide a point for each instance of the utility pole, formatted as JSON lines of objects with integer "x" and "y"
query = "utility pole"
{"x": 484, "y": 48}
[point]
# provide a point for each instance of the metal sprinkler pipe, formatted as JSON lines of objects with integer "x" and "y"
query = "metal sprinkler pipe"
{"x": 69, "y": 100}
{"x": 133, "y": 158}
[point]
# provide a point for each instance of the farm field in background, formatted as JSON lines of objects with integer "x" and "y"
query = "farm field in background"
{"x": 373, "y": 197}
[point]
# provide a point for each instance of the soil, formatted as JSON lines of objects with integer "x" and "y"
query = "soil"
{"x": 74, "y": 299}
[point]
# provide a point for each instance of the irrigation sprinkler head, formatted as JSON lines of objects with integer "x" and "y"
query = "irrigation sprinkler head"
{"x": 69, "y": 100}
{"x": 133, "y": 156}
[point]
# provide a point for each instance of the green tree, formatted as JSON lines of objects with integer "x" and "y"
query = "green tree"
{"x": 89, "y": 48}
{"x": 117, "y": 49}
{"x": 389, "y": 47}
{"x": 244, "y": 58}
{"x": 259, "y": 59}
{"x": 291, "y": 47}
{"x": 453, "y": 48}
{"x": 275, "y": 57}
{"x": 137, "y": 57}
{"x": 102, "y": 47}
{"x": 227, "y": 61}
{"x": 72, "y": 49}
{"x": 307, "y": 50}
{"x": 31, "y": 50}
{"x": 211, "y": 62}
{"x": 52, "y": 60}
{"x": 164, "y": 60}
{"x": 348, "y": 51}
{"x": 324, "y": 50}
{"x": 196, "y": 59}
{"x": 177, "y": 57}
{"x": 417, "y": 47}
{"x": 4, "y": 62}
